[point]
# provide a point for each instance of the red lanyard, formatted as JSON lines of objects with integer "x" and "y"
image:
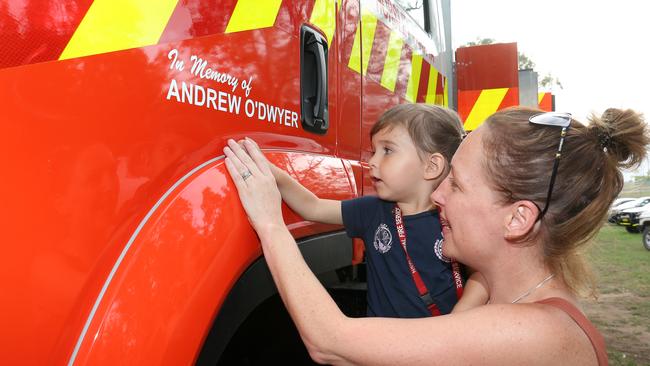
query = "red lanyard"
{"x": 422, "y": 288}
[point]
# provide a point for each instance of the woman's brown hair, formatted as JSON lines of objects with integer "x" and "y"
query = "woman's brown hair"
{"x": 519, "y": 160}
{"x": 432, "y": 128}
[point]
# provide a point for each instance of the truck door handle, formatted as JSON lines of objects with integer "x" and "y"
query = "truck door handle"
{"x": 313, "y": 81}
{"x": 321, "y": 66}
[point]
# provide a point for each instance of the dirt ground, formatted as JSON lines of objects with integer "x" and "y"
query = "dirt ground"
{"x": 628, "y": 340}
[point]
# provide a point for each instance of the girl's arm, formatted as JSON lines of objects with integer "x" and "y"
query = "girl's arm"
{"x": 475, "y": 293}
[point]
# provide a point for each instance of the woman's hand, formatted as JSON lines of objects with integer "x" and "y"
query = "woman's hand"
{"x": 249, "y": 146}
{"x": 256, "y": 185}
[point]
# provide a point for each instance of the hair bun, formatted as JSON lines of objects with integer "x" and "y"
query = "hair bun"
{"x": 622, "y": 134}
{"x": 610, "y": 115}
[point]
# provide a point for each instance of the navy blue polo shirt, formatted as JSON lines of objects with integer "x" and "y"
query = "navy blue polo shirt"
{"x": 391, "y": 290}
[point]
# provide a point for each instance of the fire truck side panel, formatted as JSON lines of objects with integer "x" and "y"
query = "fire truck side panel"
{"x": 122, "y": 233}
{"x": 349, "y": 82}
{"x": 181, "y": 264}
{"x": 398, "y": 67}
{"x": 107, "y": 135}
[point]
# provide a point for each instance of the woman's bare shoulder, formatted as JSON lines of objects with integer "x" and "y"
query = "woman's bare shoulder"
{"x": 532, "y": 333}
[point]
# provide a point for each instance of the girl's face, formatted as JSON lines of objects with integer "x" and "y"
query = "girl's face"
{"x": 396, "y": 169}
{"x": 472, "y": 219}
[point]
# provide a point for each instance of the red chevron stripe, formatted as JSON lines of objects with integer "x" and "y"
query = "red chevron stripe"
{"x": 39, "y": 31}
{"x": 196, "y": 18}
{"x": 404, "y": 71}
{"x": 546, "y": 104}
{"x": 466, "y": 101}
{"x": 424, "y": 82}
{"x": 510, "y": 99}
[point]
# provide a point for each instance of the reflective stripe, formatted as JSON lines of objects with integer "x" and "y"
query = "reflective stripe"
{"x": 540, "y": 96}
{"x": 487, "y": 103}
{"x": 324, "y": 17}
{"x": 368, "y": 26}
{"x": 392, "y": 61}
{"x": 446, "y": 93}
{"x": 112, "y": 25}
{"x": 440, "y": 92}
{"x": 414, "y": 79}
{"x": 253, "y": 14}
{"x": 432, "y": 87}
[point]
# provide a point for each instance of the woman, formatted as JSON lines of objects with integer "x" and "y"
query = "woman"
{"x": 525, "y": 191}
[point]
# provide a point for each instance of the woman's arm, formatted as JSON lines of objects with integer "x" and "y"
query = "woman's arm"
{"x": 316, "y": 315}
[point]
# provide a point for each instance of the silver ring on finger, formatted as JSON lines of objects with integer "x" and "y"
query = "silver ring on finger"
{"x": 246, "y": 175}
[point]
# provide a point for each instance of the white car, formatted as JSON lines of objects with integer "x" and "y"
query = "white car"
{"x": 630, "y": 218}
{"x": 622, "y": 200}
{"x": 615, "y": 210}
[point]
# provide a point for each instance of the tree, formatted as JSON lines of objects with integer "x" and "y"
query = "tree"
{"x": 525, "y": 63}
{"x": 549, "y": 81}
{"x": 480, "y": 42}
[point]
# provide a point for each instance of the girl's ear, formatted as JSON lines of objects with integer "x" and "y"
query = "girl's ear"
{"x": 521, "y": 220}
{"x": 436, "y": 166}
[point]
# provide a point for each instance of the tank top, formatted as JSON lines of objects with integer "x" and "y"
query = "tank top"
{"x": 590, "y": 330}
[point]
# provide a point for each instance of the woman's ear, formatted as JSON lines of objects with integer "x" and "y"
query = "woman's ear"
{"x": 436, "y": 165}
{"x": 521, "y": 220}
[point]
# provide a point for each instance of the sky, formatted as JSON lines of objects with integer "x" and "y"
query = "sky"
{"x": 597, "y": 49}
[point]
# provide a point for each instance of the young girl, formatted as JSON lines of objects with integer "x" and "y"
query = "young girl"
{"x": 407, "y": 275}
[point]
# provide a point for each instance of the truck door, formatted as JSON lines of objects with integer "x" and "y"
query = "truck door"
{"x": 399, "y": 61}
{"x": 114, "y": 118}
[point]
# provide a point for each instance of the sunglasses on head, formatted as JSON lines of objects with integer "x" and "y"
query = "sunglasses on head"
{"x": 554, "y": 119}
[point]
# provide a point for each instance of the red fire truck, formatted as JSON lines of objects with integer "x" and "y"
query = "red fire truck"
{"x": 123, "y": 238}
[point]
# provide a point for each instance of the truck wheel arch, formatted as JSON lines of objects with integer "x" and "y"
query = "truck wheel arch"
{"x": 324, "y": 254}
{"x": 184, "y": 274}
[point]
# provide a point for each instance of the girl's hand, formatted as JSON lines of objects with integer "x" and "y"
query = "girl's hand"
{"x": 475, "y": 293}
{"x": 256, "y": 185}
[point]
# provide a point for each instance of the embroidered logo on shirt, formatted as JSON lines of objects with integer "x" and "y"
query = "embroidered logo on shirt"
{"x": 437, "y": 248}
{"x": 383, "y": 239}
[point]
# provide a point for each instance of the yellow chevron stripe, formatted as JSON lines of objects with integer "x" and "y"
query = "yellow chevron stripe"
{"x": 487, "y": 103}
{"x": 360, "y": 57}
{"x": 540, "y": 96}
{"x": 112, "y": 25}
{"x": 324, "y": 17}
{"x": 414, "y": 79}
{"x": 431, "y": 88}
{"x": 253, "y": 14}
{"x": 355, "y": 55}
{"x": 440, "y": 99}
{"x": 392, "y": 61}
{"x": 446, "y": 97}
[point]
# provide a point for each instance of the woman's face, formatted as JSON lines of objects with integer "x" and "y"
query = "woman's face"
{"x": 473, "y": 221}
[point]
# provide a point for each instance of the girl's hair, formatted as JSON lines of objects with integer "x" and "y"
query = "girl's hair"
{"x": 519, "y": 160}
{"x": 432, "y": 128}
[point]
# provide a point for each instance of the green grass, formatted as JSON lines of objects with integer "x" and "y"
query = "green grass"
{"x": 621, "y": 262}
{"x": 622, "y": 312}
{"x": 621, "y": 359}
